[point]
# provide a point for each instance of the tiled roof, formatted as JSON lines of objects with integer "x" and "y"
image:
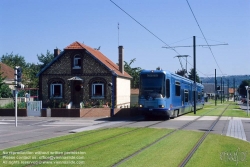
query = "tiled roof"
{"x": 7, "y": 71}
{"x": 97, "y": 54}
{"x": 232, "y": 90}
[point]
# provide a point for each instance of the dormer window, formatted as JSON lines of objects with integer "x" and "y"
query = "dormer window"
{"x": 77, "y": 62}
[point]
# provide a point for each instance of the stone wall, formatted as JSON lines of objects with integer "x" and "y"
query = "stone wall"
{"x": 92, "y": 112}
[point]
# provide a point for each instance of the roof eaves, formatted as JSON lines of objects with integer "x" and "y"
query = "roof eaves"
{"x": 48, "y": 65}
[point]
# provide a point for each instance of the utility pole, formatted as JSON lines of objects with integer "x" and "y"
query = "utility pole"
{"x": 221, "y": 90}
{"x": 194, "y": 49}
{"x": 223, "y": 93}
{"x": 228, "y": 90}
{"x": 234, "y": 90}
{"x": 215, "y": 88}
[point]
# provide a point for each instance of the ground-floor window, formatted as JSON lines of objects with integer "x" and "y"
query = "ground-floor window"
{"x": 97, "y": 86}
{"x": 98, "y": 90}
{"x": 56, "y": 90}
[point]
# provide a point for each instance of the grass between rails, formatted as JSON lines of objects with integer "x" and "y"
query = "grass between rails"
{"x": 233, "y": 110}
{"x": 168, "y": 152}
{"x": 219, "y": 150}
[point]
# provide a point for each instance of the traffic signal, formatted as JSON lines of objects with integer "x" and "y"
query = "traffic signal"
{"x": 14, "y": 101}
{"x": 18, "y": 77}
{"x": 18, "y": 74}
{"x": 218, "y": 87}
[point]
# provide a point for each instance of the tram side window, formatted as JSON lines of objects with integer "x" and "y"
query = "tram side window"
{"x": 177, "y": 89}
{"x": 186, "y": 95}
{"x": 199, "y": 96}
{"x": 167, "y": 88}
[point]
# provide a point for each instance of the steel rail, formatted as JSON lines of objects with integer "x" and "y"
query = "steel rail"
{"x": 200, "y": 141}
{"x": 158, "y": 140}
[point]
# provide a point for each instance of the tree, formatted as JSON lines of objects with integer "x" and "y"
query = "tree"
{"x": 17, "y": 60}
{"x": 242, "y": 89}
{"x": 191, "y": 76}
{"x": 31, "y": 72}
{"x": 5, "y": 91}
{"x": 13, "y": 60}
{"x": 45, "y": 59}
{"x": 133, "y": 72}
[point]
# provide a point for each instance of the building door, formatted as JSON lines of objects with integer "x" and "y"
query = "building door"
{"x": 77, "y": 93}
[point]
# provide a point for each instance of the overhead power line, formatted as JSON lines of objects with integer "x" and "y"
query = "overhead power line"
{"x": 144, "y": 27}
{"x": 204, "y": 37}
{"x": 192, "y": 46}
{"x": 168, "y": 46}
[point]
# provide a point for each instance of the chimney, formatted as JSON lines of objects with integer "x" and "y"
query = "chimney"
{"x": 56, "y": 52}
{"x": 121, "y": 66}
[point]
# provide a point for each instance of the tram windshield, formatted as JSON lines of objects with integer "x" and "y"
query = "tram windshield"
{"x": 152, "y": 85}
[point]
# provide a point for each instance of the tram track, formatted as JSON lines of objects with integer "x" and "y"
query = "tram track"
{"x": 97, "y": 142}
{"x": 85, "y": 134}
{"x": 171, "y": 133}
{"x": 200, "y": 141}
{"x": 125, "y": 133}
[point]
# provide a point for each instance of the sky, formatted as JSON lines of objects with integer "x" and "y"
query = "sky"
{"x": 31, "y": 27}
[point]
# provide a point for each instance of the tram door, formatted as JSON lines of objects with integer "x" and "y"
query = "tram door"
{"x": 186, "y": 101}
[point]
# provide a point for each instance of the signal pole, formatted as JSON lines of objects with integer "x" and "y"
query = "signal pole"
{"x": 221, "y": 90}
{"x": 194, "y": 49}
{"x": 18, "y": 84}
{"x": 215, "y": 88}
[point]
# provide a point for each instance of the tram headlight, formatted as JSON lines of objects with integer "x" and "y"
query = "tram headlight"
{"x": 140, "y": 106}
{"x": 161, "y": 106}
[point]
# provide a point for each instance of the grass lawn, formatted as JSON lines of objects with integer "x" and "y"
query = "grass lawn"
{"x": 216, "y": 150}
{"x": 219, "y": 150}
{"x": 210, "y": 109}
{"x": 168, "y": 152}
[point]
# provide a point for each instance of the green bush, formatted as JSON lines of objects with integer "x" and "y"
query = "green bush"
{"x": 12, "y": 105}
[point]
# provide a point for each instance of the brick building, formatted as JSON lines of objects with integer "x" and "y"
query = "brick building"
{"x": 80, "y": 74}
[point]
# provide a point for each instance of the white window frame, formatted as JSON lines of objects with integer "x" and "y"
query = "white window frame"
{"x": 52, "y": 90}
{"x": 94, "y": 90}
{"x": 186, "y": 95}
{"x": 76, "y": 60}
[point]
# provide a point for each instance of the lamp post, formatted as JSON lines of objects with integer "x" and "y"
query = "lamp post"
{"x": 247, "y": 88}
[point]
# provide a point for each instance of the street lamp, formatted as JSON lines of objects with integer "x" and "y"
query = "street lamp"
{"x": 247, "y": 88}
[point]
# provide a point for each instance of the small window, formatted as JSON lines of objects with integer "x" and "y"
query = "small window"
{"x": 167, "y": 88}
{"x": 98, "y": 90}
{"x": 77, "y": 61}
{"x": 56, "y": 90}
{"x": 177, "y": 88}
{"x": 186, "y": 95}
{"x": 199, "y": 96}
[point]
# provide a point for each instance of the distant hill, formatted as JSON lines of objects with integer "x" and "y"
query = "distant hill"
{"x": 238, "y": 79}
